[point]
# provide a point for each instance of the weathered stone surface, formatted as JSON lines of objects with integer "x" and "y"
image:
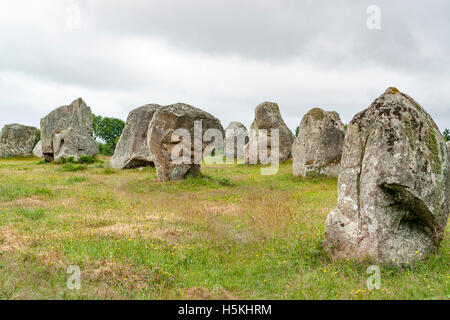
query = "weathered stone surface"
{"x": 448, "y": 146}
{"x": 37, "y": 151}
{"x": 70, "y": 143}
{"x": 238, "y": 133}
{"x": 394, "y": 185}
{"x": 78, "y": 118}
{"x": 132, "y": 150}
{"x": 17, "y": 140}
{"x": 162, "y": 141}
{"x": 268, "y": 117}
{"x": 318, "y": 147}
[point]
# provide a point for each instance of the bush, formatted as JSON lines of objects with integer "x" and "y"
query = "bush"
{"x": 72, "y": 167}
{"x": 106, "y": 149}
{"x": 446, "y": 134}
{"x": 87, "y": 160}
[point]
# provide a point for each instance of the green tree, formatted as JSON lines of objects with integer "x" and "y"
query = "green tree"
{"x": 38, "y": 137}
{"x": 297, "y": 131}
{"x": 106, "y": 131}
{"x": 446, "y": 134}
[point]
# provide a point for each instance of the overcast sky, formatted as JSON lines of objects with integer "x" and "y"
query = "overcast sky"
{"x": 225, "y": 57}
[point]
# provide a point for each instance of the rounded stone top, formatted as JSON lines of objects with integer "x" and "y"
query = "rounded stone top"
{"x": 236, "y": 125}
{"x": 18, "y": 126}
{"x": 392, "y": 90}
{"x": 317, "y": 113}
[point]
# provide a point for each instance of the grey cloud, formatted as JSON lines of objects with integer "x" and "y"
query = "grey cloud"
{"x": 313, "y": 53}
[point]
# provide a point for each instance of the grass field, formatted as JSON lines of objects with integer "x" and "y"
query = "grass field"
{"x": 229, "y": 234}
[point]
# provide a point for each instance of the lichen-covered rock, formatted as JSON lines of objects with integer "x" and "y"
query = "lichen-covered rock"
{"x": 132, "y": 150}
{"x": 17, "y": 140}
{"x": 394, "y": 185}
{"x": 37, "y": 151}
{"x": 268, "y": 118}
{"x": 236, "y": 137}
{"x": 162, "y": 140}
{"x": 448, "y": 146}
{"x": 70, "y": 143}
{"x": 78, "y": 118}
{"x": 318, "y": 147}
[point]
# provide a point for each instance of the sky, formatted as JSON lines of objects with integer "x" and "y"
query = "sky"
{"x": 224, "y": 57}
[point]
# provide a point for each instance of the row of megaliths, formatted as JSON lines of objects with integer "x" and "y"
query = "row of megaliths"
{"x": 65, "y": 133}
{"x": 392, "y": 163}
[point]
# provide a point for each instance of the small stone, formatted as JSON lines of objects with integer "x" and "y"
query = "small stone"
{"x": 37, "y": 151}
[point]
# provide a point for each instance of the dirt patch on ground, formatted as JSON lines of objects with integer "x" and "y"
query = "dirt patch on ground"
{"x": 227, "y": 209}
{"x": 10, "y": 240}
{"x": 141, "y": 231}
{"x": 206, "y": 294}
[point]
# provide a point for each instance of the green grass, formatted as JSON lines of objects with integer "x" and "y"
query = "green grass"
{"x": 228, "y": 233}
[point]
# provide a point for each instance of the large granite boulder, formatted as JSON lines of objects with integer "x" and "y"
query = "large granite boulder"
{"x": 394, "y": 185}
{"x": 132, "y": 150}
{"x": 66, "y": 132}
{"x": 166, "y": 133}
{"x": 268, "y": 118}
{"x": 37, "y": 151}
{"x": 17, "y": 140}
{"x": 236, "y": 137}
{"x": 71, "y": 143}
{"x": 318, "y": 147}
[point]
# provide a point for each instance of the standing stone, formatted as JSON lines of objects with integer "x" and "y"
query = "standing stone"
{"x": 448, "y": 146}
{"x": 318, "y": 147}
{"x": 17, "y": 140}
{"x": 73, "y": 143}
{"x": 132, "y": 150}
{"x": 37, "y": 151}
{"x": 394, "y": 185}
{"x": 236, "y": 137}
{"x": 267, "y": 118}
{"x": 162, "y": 140}
{"x": 66, "y": 132}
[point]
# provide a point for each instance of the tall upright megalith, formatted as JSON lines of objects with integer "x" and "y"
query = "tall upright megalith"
{"x": 174, "y": 142}
{"x": 236, "y": 137}
{"x": 394, "y": 185}
{"x": 132, "y": 149}
{"x": 267, "y": 127}
{"x": 318, "y": 146}
{"x": 66, "y": 132}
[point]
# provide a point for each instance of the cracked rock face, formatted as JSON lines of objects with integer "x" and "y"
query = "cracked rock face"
{"x": 238, "y": 132}
{"x": 318, "y": 147}
{"x": 17, "y": 140}
{"x": 71, "y": 143}
{"x": 72, "y": 124}
{"x": 267, "y": 118}
{"x": 394, "y": 185}
{"x": 132, "y": 150}
{"x": 162, "y": 140}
